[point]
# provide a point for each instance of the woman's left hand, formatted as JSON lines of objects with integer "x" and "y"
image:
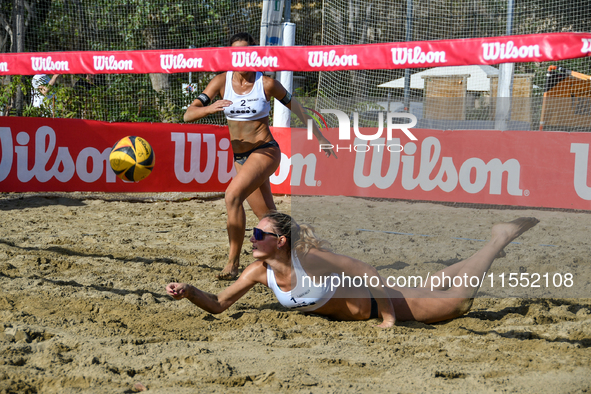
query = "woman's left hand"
{"x": 326, "y": 146}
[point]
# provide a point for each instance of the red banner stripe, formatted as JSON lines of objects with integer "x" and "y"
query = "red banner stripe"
{"x": 396, "y": 55}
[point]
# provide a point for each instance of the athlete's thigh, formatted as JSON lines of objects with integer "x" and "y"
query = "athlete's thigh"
{"x": 261, "y": 200}
{"x": 255, "y": 171}
{"x": 423, "y": 305}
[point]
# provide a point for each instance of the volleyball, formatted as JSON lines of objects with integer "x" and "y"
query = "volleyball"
{"x": 132, "y": 158}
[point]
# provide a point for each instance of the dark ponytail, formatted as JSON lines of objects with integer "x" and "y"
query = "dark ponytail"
{"x": 242, "y": 37}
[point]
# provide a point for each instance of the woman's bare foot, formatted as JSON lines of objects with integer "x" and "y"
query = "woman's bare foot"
{"x": 230, "y": 272}
{"x": 507, "y": 232}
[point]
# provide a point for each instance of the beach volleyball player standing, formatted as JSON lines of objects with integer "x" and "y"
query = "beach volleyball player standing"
{"x": 245, "y": 101}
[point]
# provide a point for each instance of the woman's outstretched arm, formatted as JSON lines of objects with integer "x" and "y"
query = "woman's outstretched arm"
{"x": 325, "y": 144}
{"x": 274, "y": 88}
{"x": 253, "y": 274}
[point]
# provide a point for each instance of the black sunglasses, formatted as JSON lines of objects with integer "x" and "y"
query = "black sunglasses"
{"x": 260, "y": 234}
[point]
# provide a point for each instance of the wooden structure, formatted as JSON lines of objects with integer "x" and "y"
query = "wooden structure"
{"x": 567, "y": 100}
{"x": 445, "y": 97}
{"x": 521, "y": 99}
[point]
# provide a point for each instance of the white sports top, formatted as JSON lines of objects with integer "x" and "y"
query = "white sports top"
{"x": 305, "y": 299}
{"x": 250, "y": 106}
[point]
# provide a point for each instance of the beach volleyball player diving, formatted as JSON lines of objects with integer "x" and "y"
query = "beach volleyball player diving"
{"x": 292, "y": 262}
{"x": 245, "y": 101}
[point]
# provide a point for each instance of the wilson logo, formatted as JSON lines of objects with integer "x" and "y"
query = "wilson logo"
{"x": 428, "y": 169}
{"x": 581, "y": 152}
{"x": 47, "y": 64}
{"x": 416, "y": 56}
{"x": 330, "y": 59}
{"x": 176, "y": 62}
{"x": 110, "y": 63}
{"x": 39, "y": 156}
{"x": 496, "y": 51}
{"x": 252, "y": 59}
{"x": 586, "y": 45}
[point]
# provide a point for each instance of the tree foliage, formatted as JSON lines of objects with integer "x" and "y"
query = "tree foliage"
{"x": 80, "y": 25}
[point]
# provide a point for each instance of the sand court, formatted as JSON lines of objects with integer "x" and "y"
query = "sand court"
{"x": 83, "y": 306}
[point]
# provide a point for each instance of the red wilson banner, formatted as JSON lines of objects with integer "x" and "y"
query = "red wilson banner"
{"x": 520, "y": 168}
{"x": 420, "y": 54}
{"x": 40, "y": 154}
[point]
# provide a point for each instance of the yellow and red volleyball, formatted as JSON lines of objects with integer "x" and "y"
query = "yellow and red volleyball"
{"x": 132, "y": 158}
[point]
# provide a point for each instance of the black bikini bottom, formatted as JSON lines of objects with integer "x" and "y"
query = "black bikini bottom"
{"x": 374, "y": 309}
{"x": 240, "y": 158}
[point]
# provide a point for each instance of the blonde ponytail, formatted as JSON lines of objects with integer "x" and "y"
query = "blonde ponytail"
{"x": 307, "y": 240}
{"x": 301, "y": 237}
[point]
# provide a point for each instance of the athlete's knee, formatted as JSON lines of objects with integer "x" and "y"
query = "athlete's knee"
{"x": 463, "y": 306}
{"x": 233, "y": 198}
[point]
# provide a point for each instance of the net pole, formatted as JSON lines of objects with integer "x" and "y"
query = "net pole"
{"x": 271, "y": 22}
{"x": 287, "y": 12}
{"x": 546, "y": 91}
{"x": 264, "y": 23}
{"x": 407, "y": 71}
{"x": 505, "y": 88}
{"x": 20, "y": 47}
{"x": 543, "y": 111}
{"x": 281, "y": 114}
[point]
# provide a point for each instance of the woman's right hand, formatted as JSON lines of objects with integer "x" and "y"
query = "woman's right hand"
{"x": 219, "y": 106}
{"x": 196, "y": 110}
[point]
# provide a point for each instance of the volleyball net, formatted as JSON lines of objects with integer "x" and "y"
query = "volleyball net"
{"x": 111, "y": 87}
{"x": 444, "y": 63}
{"x": 480, "y": 80}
